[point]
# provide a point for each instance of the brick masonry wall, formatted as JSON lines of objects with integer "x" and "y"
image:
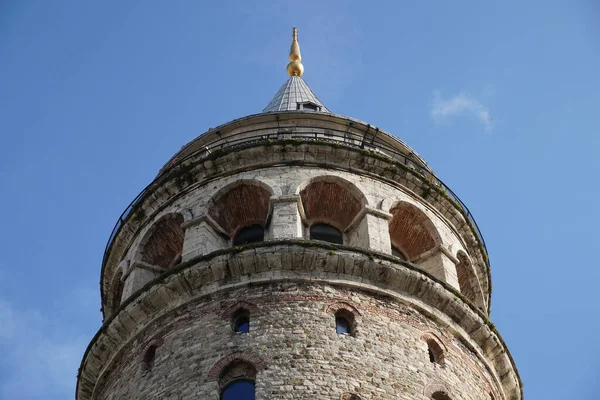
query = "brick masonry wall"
{"x": 298, "y": 355}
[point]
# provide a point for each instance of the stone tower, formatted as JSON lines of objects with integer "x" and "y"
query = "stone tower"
{"x": 296, "y": 254}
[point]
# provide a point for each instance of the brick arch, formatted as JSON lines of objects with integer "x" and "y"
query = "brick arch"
{"x": 330, "y": 199}
{"x": 235, "y": 366}
{"x": 467, "y": 280}
{"x": 411, "y": 230}
{"x": 342, "y": 305}
{"x": 436, "y": 388}
{"x": 436, "y": 347}
{"x": 230, "y": 311}
{"x": 116, "y": 290}
{"x": 163, "y": 243}
{"x": 350, "y": 396}
{"x": 240, "y": 204}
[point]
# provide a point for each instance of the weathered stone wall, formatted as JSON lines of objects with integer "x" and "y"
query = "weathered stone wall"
{"x": 298, "y": 355}
{"x": 370, "y": 228}
{"x": 167, "y": 332}
{"x": 250, "y": 163}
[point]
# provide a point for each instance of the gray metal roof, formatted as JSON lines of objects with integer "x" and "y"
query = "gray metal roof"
{"x": 295, "y": 91}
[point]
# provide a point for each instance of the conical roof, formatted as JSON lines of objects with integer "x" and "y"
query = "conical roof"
{"x": 295, "y": 94}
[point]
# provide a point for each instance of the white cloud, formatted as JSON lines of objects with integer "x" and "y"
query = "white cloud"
{"x": 39, "y": 359}
{"x": 460, "y": 104}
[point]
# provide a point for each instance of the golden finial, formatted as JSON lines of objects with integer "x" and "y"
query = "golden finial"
{"x": 295, "y": 67}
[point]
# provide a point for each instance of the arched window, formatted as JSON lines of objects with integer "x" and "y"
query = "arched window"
{"x": 240, "y": 322}
{"x": 237, "y": 381}
{"x": 326, "y": 233}
{"x": 241, "y": 389}
{"x": 436, "y": 354}
{"x": 249, "y": 234}
{"x": 344, "y": 322}
{"x": 241, "y": 210}
{"x": 440, "y": 396}
{"x": 434, "y": 349}
{"x": 148, "y": 358}
{"x": 329, "y": 205}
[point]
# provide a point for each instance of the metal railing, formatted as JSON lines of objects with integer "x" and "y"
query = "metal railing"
{"x": 379, "y": 143}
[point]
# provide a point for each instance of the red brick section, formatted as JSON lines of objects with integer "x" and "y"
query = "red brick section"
{"x": 242, "y": 305}
{"x": 334, "y": 307}
{"x": 410, "y": 230}
{"x": 465, "y": 274}
{"x": 165, "y": 243}
{"x": 241, "y": 206}
{"x": 330, "y": 203}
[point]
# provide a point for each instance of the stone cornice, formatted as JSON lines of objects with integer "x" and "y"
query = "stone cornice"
{"x": 297, "y": 260}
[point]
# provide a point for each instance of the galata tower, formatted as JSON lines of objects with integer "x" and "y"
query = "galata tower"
{"x": 296, "y": 254}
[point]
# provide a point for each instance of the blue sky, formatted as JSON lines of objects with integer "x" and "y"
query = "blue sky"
{"x": 500, "y": 98}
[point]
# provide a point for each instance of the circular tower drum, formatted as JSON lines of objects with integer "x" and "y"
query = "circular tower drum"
{"x": 296, "y": 254}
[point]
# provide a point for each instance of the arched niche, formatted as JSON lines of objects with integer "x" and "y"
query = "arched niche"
{"x": 331, "y": 200}
{"x": 467, "y": 280}
{"x": 239, "y": 205}
{"x": 411, "y": 230}
{"x": 335, "y": 202}
{"x": 163, "y": 243}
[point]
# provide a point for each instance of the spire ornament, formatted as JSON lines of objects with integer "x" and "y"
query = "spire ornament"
{"x": 295, "y": 67}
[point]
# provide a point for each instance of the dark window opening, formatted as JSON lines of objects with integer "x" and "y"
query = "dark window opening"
{"x": 344, "y": 322}
{"x": 342, "y": 326}
{"x": 241, "y": 321}
{"x": 249, "y": 234}
{"x": 436, "y": 353}
{"x": 440, "y": 396}
{"x": 239, "y": 390}
{"x": 326, "y": 233}
{"x": 148, "y": 358}
{"x": 396, "y": 252}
